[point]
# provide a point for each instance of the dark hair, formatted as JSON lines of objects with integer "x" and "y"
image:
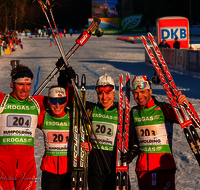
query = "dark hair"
{"x": 18, "y": 69}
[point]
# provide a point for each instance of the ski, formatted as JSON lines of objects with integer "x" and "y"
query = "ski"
{"x": 75, "y": 139}
{"x": 186, "y": 111}
{"x": 79, "y": 171}
{"x": 122, "y": 135}
{"x": 119, "y": 135}
{"x": 126, "y": 132}
{"x": 171, "y": 91}
{"x": 82, "y": 178}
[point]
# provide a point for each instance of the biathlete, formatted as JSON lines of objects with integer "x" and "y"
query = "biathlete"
{"x": 57, "y": 129}
{"x": 19, "y": 118}
{"x": 104, "y": 117}
{"x": 153, "y": 123}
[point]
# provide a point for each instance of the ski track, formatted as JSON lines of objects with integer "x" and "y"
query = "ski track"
{"x": 111, "y": 56}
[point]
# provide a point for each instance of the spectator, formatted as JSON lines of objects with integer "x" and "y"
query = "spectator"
{"x": 36, "y": 32}
{"x": 25, "y": 32}
{"x": 70, "y": 32}
{"x": 43, "y": 31}
{"x": 176, "y": 43}
{"x": 64, "y": 31}
{"x": 39, "y": 32}
{"x": 164, "y": 44}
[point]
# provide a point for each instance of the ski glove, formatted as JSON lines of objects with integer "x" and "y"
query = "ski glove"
{"x": 155, "y": 79}
{"x": 98, "y": 33}
{"x": 60, "y": 63}
{"x": 67, "y": 74}
{"x": 130, "y": 155}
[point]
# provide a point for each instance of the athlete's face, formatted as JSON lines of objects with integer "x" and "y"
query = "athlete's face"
{"x": 21, "y": 90}
{"x": 57, "y": 109}
{"x": 142, "y": 96}
{"x": 106, "y": 99}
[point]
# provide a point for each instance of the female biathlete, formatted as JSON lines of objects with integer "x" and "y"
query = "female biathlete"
{"x": 57, "y": 129}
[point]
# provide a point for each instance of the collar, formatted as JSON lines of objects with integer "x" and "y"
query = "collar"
{"x": 12, "y": 94}
{"x": 149, "y": 104}
{"x": 60, "y": 115}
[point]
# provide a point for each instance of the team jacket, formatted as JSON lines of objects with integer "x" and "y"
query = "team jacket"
{"x": 154, "y": 129}
{"x": 105, "y": 126}
{"x": 57, "y": 132}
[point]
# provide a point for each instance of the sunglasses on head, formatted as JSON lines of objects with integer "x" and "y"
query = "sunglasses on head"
{"x": 102, "y": 89}
{"x": 60, "y": 101}
{"x": 141, "y": 85}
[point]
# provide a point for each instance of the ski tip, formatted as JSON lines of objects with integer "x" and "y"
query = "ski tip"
{"x": 83, "y": 80}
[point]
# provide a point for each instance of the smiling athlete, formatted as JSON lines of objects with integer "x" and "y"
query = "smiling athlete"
{"x": 104, "y": 117}
{"x": 57, "y": 129}
{"x": 153, "y": 123}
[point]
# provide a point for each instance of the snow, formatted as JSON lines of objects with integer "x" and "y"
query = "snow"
{"x": 97, "y": 57}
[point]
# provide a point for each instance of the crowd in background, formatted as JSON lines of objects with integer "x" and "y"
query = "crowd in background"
{"x": 10, "y": 40}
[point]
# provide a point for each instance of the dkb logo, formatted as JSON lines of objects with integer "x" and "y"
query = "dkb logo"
{"x": 174, "y": 32}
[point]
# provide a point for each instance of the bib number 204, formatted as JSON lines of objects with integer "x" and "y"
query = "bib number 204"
{"x": 18, "y": 121}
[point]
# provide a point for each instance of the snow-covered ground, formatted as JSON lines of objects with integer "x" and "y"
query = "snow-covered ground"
{"x": 97, "y": 57}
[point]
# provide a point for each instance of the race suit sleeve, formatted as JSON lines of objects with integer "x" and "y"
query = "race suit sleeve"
{"x": 133, "y": 140}
{"x": 70, "y": 94}
{"x": 1, "y": 97}
{"x": 43, "y": 103}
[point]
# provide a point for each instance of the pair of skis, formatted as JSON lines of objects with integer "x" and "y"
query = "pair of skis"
{"x": 186, "y": 117}
{"x": 122, "y": 135}
{"x": 79, "y": 155}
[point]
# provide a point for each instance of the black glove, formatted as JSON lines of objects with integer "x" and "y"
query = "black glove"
{"x": 60, "y": 62}
{"x": 66, "y": 75}
{"x": 98, "y": 33}
{"x": 155, "y": 79}
{"x": 70, "y": 72}
{"x": 130, "y": 155}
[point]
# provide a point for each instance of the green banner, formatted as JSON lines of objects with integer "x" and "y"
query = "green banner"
{"x": 131, "y": 23}
{"x": 110, "y": 31}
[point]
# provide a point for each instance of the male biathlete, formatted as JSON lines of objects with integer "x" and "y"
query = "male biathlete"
{"x": 153, "y": 123}
{"x": 18, "y": 122}
{"x": 104, "y": 117}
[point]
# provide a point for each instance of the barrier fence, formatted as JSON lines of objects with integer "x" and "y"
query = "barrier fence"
{"x": 183, "y": 61}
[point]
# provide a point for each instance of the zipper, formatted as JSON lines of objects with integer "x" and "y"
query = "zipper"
{"x": 17, "y": 164}
{"x": 147, "y": 162}
{"x": 57, "y": 164}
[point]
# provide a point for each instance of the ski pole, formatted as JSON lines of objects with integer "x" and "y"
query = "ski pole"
{"x": 68, "y": 56}
{"x": 81, "y": 41}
